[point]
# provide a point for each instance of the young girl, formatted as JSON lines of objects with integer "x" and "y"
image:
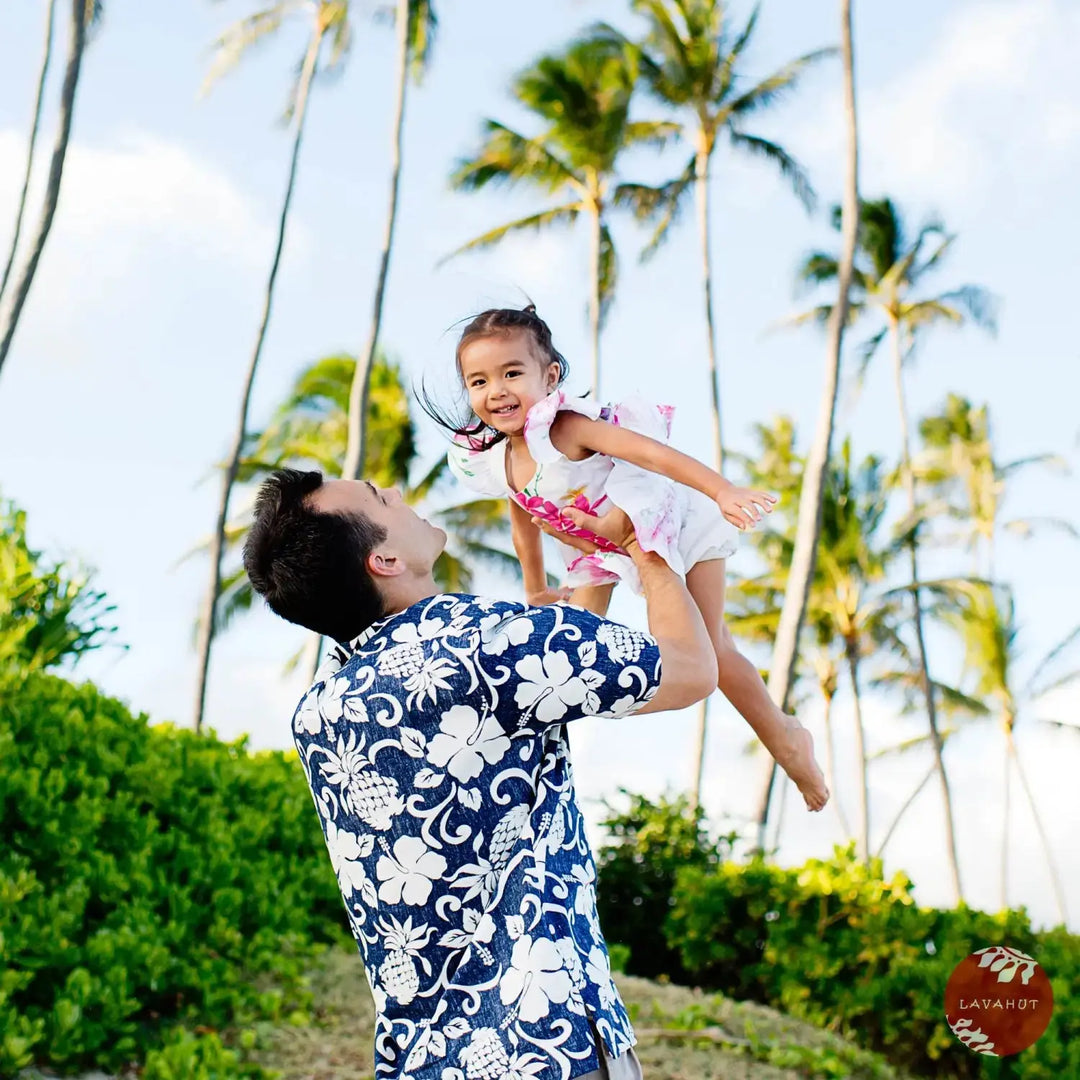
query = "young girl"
{"x": 527, "y": 440}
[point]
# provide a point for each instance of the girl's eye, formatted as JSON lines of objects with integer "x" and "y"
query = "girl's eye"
{"x": 510, "y": 374}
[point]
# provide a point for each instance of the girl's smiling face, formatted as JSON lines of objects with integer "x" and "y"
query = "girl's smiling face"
{"x": 504, "y": 378}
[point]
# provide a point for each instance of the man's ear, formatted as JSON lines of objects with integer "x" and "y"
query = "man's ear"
{"x": 385, "y": 564}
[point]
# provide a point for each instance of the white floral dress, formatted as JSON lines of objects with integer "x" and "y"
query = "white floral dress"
{"x": 435, "y": 747}
{"x": 679, "y": 523}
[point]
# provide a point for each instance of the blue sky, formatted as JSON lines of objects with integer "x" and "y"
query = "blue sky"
{"x": 121, "y": 388}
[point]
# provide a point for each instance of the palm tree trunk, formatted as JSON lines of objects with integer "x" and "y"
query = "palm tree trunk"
{"x": 209, "y": 606}
{"x": 699, "y": 753}
{"x": 863, "y": 845}
{"x": 781, "y": 675}
{"x": 702, "y": 193}
{"x": 76, "y": 45}
{"x": 1006, "y": 809}
{"x": 904, "y": 809}
{"x": 1059, "y": 891}
{"x": 701, "y": 185}
{"x": 830, "y": 764}
{"x": 924, "y": 671}
{"x": 359, "y": 392}
{"x": 34, "y": 125}
{"x": 594, "y": 304}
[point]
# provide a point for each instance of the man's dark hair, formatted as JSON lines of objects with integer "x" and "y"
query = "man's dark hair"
{"x": 311, "y": 567}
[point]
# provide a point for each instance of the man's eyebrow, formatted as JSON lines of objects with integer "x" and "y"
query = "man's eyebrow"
{"x": 371, "y": 486}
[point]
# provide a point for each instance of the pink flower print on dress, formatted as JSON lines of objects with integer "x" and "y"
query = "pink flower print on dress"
{"x": 549, "y": 512}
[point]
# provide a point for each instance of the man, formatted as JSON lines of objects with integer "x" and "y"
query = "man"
{"x": 433, "y": 740}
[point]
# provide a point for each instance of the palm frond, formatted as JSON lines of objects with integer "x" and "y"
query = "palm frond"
{"x": 980, "y": 304}
{"x": 662, "y": 204}
{"x": 770, "y": 89}
{"x": 789, "y": 168}
{"x": 609, "y": 272}
{"x": 233, "y": 45}
{"x": 536, "y": 222}
{"x": 508, "y": 157}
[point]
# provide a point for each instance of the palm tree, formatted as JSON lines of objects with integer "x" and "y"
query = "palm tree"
{"x": 966, "y": 484}
{"x": 986, "y": 625}
{"x": 781, "y": 675}
{"x": 692, "y": 61}
{"x": 957, "y": 466}
{"x": 83, "y": 12}
{"x": 329, "y": 20}
{"x": 850, "y": 564}
{"x": 754, "y": 602}
{"x": 309, "y": 430}
{"x": 415, "y": 23}
{"x": 891, "y": 269}
{"x": 34, "y": 124}
{"x": 582, "y": 98}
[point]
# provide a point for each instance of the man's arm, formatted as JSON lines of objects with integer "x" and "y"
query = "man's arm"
{"x": 687, "y": 658}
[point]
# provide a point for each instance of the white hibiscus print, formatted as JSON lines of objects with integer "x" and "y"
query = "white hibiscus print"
{"x": 407, "y": 874}
{"x": 625, "y": 705}
{"x": 598, "y": 969}
{"x": 552, "y": 686}
{"x": 534, "y": 979}
{"x": 336, "y": 703}
{"x": 308, "y": 717}
{"x": 346, "y": 850}
{"x": 465, "y": 742}
{"x": 498, "y": 638}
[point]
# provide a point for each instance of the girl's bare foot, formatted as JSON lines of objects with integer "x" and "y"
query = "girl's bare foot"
{"x": 798, "y": 762}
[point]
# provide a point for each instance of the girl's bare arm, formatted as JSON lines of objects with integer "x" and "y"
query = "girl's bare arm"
{"x": 574, "y": 435}
{"x": 528, "y": 547}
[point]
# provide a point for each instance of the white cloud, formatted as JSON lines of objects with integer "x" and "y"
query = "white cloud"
{"x": 129, "y": 212}
{"x": 993, "y": 103}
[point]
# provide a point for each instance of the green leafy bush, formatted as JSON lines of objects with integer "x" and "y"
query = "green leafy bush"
{"x": 48, "y": 612}
{"x": 833, "y": 943}
{"x": 148, "y": 877}
{"x": 648, "y": 843}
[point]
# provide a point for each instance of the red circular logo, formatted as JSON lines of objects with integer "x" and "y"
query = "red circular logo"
{"x": 998, "y": 1001}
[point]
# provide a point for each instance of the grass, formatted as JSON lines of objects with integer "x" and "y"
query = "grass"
{"x": 682, "y": 1034}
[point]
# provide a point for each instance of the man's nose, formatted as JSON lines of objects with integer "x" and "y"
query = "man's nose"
{"x": 394, "y": 493}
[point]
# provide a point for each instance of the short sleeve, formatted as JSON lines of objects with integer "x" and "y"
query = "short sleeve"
{"x": 542, "y": 415}
{"x": 557, "y": 663}
{"x": 474, "y": 468}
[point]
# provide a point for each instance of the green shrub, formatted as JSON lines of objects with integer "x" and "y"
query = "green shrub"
{"x": 649, "y": 842}
{"x": 833, "y": 943}
{"x": 148, "y": 876}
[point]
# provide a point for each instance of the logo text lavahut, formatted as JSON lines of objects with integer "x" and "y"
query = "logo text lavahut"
{"x": 998, "y": 1001}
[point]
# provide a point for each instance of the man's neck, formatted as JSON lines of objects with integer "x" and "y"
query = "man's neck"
{"x": 402, "y": 594}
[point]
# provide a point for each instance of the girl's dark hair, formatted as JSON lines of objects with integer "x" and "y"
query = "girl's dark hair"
{"x": 495, "y": 322}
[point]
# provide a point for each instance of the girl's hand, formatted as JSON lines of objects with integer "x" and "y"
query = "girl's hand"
{"x": 548, "y": 596}
{"x": 741, "y": 505}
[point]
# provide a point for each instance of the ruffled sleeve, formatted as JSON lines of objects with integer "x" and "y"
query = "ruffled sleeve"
{"x": 542, "y": 416}
{"x": 476, "y": 468}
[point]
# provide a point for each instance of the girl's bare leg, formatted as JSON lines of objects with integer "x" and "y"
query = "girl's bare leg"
{"x": 783, "y": 736}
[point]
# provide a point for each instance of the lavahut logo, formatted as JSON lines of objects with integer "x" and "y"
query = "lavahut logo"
{"x": 998, "y": 1001}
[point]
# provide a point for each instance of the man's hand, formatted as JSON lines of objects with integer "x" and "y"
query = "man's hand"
{"x": 548, "y": 596}
{"x": 740, "y": 505}
{"x": 613, "y": 525}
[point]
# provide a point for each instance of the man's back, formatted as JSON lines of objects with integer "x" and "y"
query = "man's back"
{"x": 435, "y": 750}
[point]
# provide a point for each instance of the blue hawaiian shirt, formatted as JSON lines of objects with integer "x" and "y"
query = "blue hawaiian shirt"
{"x": 436, "y": 751}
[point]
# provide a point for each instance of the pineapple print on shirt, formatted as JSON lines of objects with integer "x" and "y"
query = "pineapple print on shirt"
{"x": 435, "y": 748}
